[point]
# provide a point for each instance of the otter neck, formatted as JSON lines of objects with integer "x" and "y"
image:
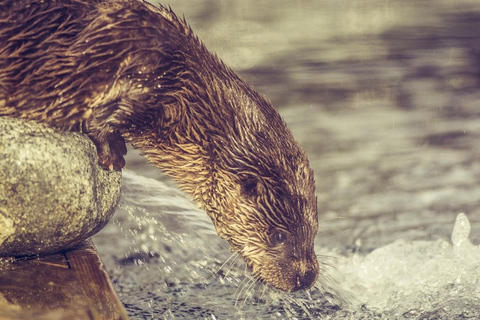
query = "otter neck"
{"x": 186, "y": 129}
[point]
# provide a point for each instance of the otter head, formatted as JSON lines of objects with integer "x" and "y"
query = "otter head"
{"x": 228, "y": 147}
{"x": 233, "y": 152}
{"x": 264, "y": 202}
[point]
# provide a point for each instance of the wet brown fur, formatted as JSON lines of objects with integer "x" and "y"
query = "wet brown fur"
{"x": 124, "y": 70}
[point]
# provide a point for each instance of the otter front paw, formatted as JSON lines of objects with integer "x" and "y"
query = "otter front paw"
{"x": 111, "y": 161}
{"x": 111, "y": 152}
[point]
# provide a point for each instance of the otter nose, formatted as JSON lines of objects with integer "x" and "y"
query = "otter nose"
{"x": 305, "y": 281}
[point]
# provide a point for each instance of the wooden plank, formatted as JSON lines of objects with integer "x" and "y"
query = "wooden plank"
{"x": 71, "y": 285}
{"x": 95, "y": 283}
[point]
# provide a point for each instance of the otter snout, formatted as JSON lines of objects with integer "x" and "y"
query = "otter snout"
{"x": 305, "y": 280}
{"x": 288, "y": 274}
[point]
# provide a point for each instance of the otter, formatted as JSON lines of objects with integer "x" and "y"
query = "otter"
{"x": 128, "y": 71}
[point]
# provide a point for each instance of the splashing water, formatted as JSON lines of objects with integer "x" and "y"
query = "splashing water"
{"x": 418, "y": 278}
{"x": 170, "y": 264}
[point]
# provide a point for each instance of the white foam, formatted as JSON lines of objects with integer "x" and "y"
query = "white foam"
{"x": 416, "y": 275}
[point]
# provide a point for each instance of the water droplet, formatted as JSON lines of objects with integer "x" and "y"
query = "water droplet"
{"x": 461, "y": 230}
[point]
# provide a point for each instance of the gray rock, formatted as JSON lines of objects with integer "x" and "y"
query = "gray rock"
{"x": 53, "y": 194}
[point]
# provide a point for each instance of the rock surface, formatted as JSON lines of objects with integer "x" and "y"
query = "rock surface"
{"x": 53, "y": 194}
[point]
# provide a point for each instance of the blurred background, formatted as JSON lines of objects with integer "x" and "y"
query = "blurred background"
{"x": 383, "y": 96}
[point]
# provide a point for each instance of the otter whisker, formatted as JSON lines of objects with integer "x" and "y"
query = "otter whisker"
{"x": 241, "y": 287}
{"x": 230, "y": 261}
{"x": 325, "y": 281}
{"x": 304, "y": 307}
{"x": 328, "y": 285}
{"x": 249, "y": 290}
{"x": 329, "y": 261}
{"x": 235, "y": 264}
{"x": 264, "y": 291}
{"x": 246, "y": 296}
{"x": 309, "y": 295}
{"x": 247, "y": 287}
{"x": 290, "y": 301}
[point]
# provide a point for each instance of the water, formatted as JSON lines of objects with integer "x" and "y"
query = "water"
{"x": 383, "y": 95}
{"x": 419, "y": 278}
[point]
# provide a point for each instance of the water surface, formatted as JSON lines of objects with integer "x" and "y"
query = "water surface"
{"x": 383, "y": 95}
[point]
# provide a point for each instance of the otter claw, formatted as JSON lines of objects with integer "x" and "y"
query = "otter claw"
{"x": 110, "y": 151}
{"x": 112, "y": 164}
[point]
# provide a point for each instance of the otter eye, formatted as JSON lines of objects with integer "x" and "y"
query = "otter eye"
{"x": 279, "y": 238}
{"x": 249, "y": 186}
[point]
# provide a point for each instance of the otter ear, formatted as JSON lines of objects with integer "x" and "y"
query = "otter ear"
{"x": 249, "y": 186}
